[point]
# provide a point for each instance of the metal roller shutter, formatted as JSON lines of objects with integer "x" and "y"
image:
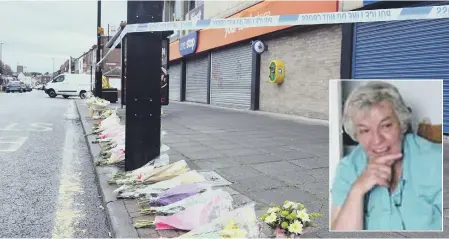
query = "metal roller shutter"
{"x": 174, "y": 72}
{"x": 231, "y": 77}
{"x": 417, "y": 49}
{"x": 196, "y": 79}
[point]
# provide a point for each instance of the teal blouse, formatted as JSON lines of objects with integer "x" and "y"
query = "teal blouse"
{"x": 416, "y": 204}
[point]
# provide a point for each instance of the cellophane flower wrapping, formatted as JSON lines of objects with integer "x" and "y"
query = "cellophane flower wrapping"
{"x": 194, "y": 216}
{"x": 112, "y": 132}
{"x": 126, "y": 181}
{"x": 164, "y": 173}
{"x": 188, "y": 177}
{"x": 113, "y": 119}
{"x": 181, "y": 205}
{"x": 178, "y": 193}
{"x": 132, "y": 187}
{"x": 240, "y": 223}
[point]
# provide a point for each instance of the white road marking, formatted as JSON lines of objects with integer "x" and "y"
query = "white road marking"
{"x": 10, "y": 127}
{"x": 42, "y": 126}
{"x": 11, "y": 143}
{"x": 36, "y": 127}
{"x": 67, "y": 215}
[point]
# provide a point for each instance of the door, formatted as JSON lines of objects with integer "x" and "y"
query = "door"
{"x": 231, "y": 77}
{"x": 413, "y": 49}
{"x": 69, "y": 85}
{"x": 174, "y": 72}
{"x": 58, "y": 84}
{"x": 196, "y": 79}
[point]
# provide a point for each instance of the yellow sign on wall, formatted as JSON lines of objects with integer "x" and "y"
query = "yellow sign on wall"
{"x": 277, "y": 71}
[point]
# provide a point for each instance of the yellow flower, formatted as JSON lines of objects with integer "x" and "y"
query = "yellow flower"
{"x": 271, "y": 218}
{"x": 295, "y": 227}
{"x": 303, "y": 215}
{"x": 231, "y": 231}
{"x": 230, "y": 225}
{"x": 272, "y": 209}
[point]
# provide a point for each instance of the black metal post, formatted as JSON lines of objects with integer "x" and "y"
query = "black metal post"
{"x": 255, "y": 81}
{"x": 143, "y": 86}
{"x": 98, "y": 75}
{"x": 123, "y": 75}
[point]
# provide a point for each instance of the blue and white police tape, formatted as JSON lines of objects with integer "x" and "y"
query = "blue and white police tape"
{"x": 379, "y": 15}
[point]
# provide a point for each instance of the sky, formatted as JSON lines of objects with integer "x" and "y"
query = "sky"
{"x": 33, "y": 32}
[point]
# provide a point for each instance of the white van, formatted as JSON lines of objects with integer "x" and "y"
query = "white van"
{"x": 69, "y": 85}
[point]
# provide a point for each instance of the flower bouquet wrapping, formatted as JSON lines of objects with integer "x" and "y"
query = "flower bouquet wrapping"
{"x": 240, "y": 223}
{"x": 164, "y": 173}
{"x": 289, "y": 219}
{"x": 112, "y": 132}
{"x": 192, "y": 217}
{"x": 122, "y": 178}
{"x": 117, "y": 155}
{"x": 181, "y": 205}
{"x": 178, "y": 193}
{"x": 159, "y": 187}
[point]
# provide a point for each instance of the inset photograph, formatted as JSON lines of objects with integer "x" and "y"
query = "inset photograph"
{"x": 386, "y": 155}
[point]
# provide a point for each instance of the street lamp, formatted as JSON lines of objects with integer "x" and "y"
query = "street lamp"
{"x": 98, "y": 73}
{"x": 1, "y": 57}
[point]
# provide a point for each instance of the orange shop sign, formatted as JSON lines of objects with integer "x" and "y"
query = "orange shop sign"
{"x": 212, "y": 38}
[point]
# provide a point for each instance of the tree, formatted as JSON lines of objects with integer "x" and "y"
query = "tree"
{"x": 5, "y": 69}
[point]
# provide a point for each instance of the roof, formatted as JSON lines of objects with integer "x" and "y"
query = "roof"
{"x": 116, "y": 72}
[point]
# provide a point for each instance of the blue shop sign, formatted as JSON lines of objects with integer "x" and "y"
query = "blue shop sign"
{"x": 188, "y": 43}
{"x": 369, "y": 2}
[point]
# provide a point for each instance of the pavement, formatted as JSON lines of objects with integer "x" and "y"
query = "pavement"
{"x": 47, "y": 177}
{"x": 267, "y": 158}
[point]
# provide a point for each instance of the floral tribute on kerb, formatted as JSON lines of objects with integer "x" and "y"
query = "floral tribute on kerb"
{"x": 289, "y": 220}
{"x": 184, "y": 199}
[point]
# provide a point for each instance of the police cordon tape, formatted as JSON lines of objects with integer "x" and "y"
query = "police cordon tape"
{"x": 379, "y": 15}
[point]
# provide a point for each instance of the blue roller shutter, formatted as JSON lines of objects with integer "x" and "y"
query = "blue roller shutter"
{"x": 417, "y": 49}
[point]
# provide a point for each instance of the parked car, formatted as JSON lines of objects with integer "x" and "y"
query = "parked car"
{"x": 69, "y": 85}
{"x": 28, "y": 88}
{"x": 14, "y": 86}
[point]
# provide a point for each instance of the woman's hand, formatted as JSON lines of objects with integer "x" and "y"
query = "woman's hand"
{"x": 378, "y": 172}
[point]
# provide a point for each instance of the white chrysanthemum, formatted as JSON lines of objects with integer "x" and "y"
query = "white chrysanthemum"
{"x": 272, "y": 210}
{"x": 271, "y": 218}
{"x": 289, "y": 204}
{"x": 295, "y": 227}
{"x": 303, "y": 215}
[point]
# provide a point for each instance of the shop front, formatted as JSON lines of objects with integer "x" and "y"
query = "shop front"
{"x": 174, "y": 82}
{"x": 412, "y": 49}
{"x": 222, "y": 69}
{"x": 197, "y": 78}
{"x": 231, "y": 77}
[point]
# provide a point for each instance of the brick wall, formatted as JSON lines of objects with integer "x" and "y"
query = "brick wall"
{"x": 311, "y": 58}
{"x": 113, "y": 59}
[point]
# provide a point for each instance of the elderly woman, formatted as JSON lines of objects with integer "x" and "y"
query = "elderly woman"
{"x": 393, "y": 179}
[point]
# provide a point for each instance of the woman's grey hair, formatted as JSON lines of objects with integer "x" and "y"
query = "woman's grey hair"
{"x": 365, "y": 96}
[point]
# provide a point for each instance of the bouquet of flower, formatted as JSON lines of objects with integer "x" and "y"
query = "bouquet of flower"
{"x": 239, "y": 223}
{"x": 288, "y": 220}
{"x": 181, "y": 205}
{"x": 192, "y": 217}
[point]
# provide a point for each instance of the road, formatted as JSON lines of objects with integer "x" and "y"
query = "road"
{"x": 46, "y": 174}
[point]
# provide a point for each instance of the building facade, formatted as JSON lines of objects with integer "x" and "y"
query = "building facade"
{"x": 219, "y": 67}
{"x": 222, "y": 69}
{"x": 413, "y": 49}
